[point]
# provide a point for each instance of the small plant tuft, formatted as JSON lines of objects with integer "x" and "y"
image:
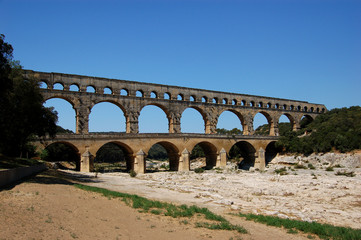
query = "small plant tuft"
{"x": 132, "y": 173}
{"x": 199, "y": 170}
{"x": 344, "y": 173}
{"x": 329, "y": 169}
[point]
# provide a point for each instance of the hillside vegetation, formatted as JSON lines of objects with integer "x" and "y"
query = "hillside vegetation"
{"x": 338, "y": 129}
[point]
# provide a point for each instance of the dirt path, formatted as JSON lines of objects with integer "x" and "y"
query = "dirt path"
{"x": 46, "y": 207}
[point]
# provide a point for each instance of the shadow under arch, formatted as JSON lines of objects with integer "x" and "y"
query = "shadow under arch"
{"x": 210, "y": 153}
{"x": 238, "y": 114}
{"x": 173, "y": 154}
{"x": 271, "y": 152}
{"x": 62, "y": 151}
{"x": 201, "y": 112}
{"x": 245, "y": 153}
{"x": 116, "y": 152}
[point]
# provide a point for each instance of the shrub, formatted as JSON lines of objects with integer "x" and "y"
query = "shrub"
{"x": 198, "y": 170}
{"x": 344, "y": 173}
{"x": 132, "y": 173}
{"x": 329, "y": 169}
{"x": 281, "y": 171}
{"x": 310, "y": 166}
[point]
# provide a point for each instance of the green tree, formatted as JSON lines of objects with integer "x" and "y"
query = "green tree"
{"x": 21, "y": 107}
{"x": 338, "y": 129}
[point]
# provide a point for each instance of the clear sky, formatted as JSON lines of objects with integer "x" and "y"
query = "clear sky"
{"x": 298, "y": 49}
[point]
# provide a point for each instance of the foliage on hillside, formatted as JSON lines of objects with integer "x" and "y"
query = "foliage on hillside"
{"x": 338, "y": 129}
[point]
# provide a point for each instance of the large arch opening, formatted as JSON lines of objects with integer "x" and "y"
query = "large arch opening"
{"x": 203, "y": 155}
{"x": 244, "y": 154}
{"x": 113, "y": 157}
{"x": 162, "y": 156}
{"x": 230, "y": 122}
{"x": 262, "y": 124}
{"x": 107, "y": 117}
{"x": 304, "y": 122}
{"x": 192, "y": 121}
{"x": 285, "y": 124}
{"x": 65, "y": 154}
{"x": 271, "y": 152}
{"x": 153, "y": 119}
{"x": 66, "y": 114}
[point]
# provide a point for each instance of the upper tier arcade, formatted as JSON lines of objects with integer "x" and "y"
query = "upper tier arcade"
{"x": 132, "y": 96}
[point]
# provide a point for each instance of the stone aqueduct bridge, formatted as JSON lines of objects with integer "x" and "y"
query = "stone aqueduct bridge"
{"x": 132, "y": 96}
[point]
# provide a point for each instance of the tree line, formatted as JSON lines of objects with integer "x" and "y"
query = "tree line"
{"x": 22, "y": 114}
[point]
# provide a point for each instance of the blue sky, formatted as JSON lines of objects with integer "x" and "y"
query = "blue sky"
{"x": 298, "y": 49}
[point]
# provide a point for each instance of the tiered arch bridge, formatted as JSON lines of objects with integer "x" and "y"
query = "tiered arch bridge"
{"x": 132, "y": 97}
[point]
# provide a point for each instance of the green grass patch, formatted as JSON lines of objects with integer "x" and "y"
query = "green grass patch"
{"x": 324, "y": 231}
{"x": 167, "y": 209}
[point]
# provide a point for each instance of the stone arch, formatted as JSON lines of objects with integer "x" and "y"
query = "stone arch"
{"x": 271, "y": 152}
{"x": 153, "y": 94}
{"x": 108, "y": 90}
{"x": 246, "y": 153}
{"x": 66, "y": 151}
{"x": 127, "y": 151}
{"x": 180, "y": 97}
{"x": 238, "y": 114}
{"x": 74, "y": 87}
{"x": 162, "y": 107}
{"x": 290, "y": 118}
{"x": 91, "y": 89}
{"x": 304, "y": 120}
{"x": 124, "y": 92}
{"x": 63, "y": 109}
{"x": 43, "y": 84}
{"x": 123, "y": 110}
{"x": 167, "y": 96}
{"x": 269, "y": 120}
{"x": 139, "y": 93}
{"x": 201, "y": 112}
{"x": 58, "y": 86}
{"x": 173, "y": 154}
{"x": 210, "y": 152}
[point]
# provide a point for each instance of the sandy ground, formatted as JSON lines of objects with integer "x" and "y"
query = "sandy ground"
{"x": 45, "y": 207}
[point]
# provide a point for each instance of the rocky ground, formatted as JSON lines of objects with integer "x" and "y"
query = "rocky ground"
{"x": 323, "y": 188}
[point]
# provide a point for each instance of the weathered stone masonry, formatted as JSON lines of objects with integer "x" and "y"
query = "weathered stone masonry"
{"x": 132, "y": 96}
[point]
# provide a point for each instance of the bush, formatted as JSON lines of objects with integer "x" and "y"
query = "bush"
{"x": 344, "y": 173}
{"x": 310, "y": 166}
{"x": 329, "y": 169}
{"x": 132, "y": 173}
{"x": 198, "y": 170}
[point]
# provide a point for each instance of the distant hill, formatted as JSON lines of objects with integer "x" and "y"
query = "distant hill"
{"x": 338, "y": 129}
